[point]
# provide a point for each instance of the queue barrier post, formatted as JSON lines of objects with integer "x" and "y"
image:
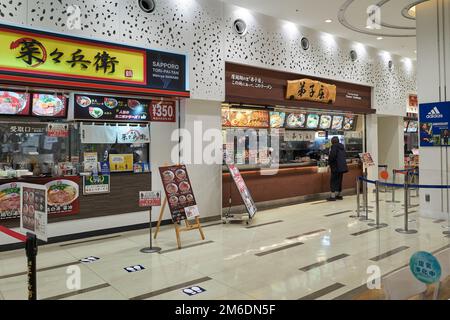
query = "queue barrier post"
{"x": 366, "y": 201}
{"x": 377, "y": 203}
{"x": 394, "y": 179}
{"x": 358, "y": 198}
{"x": 31, "y": 250}
{"x": 406, "y": 229}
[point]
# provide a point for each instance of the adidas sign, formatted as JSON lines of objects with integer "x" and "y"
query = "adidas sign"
{"x": 435, "y": 114}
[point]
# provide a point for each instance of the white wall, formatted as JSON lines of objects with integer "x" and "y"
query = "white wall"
{"x": 430, "y": 75}
{"x": 200, "y": 117}
{"x": 390, "y": 142}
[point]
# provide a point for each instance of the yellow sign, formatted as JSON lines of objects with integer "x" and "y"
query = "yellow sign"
{"x": 120, "y": 162}
{"x": 58, "y": 56}
{"x": 311, "y": 90}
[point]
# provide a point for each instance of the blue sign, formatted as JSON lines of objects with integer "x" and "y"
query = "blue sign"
{"x": 104, "y": 168}
{"x": 425, "y": 267}
{"x": 434, "y": 124}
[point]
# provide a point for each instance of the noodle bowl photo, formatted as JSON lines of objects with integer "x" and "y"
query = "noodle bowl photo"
{"x": 61, "y": 192}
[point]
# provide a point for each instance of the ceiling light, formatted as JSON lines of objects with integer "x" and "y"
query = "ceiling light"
{"x": 380, "y": 38}
{"x": 328, "y": 21}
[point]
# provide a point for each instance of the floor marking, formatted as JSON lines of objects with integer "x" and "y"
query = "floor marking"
{"x": 87, "y": 241}
{"x": 322, "y": 292}
{"x": 41, "y": 270}
{"x": 319, "y": 264}
{"x": 366, "y": 231}
{"x": 187, "y": 247}
{"x": 263, "y": 224}
{"x": 336, "y": 213}
{"x": 192, "y": 291}
{"x": 265, "y": 253}
{"x": 78, "y": 292}
{"x": 171, "y": 288}
{"x": 307, "y": 234}
{"x": 389, "y": 253}
{"x": 135, "y": 268}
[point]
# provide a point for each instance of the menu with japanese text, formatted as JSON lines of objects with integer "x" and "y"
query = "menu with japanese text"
{"x": 243, "y": 190}
{"x": 178, "y": 190}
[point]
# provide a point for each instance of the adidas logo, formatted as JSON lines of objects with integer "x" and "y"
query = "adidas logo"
{"x": 435, "y": 114}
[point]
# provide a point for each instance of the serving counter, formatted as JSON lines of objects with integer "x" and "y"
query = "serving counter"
{"x": 287, "y": 184}
{"x": 122, "y": 198}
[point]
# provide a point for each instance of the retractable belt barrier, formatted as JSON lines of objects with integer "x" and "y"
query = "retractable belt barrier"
{"x": 407, "y": 187}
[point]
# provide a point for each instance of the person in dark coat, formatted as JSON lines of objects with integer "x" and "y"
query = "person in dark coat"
{"x": 338, "y": 166}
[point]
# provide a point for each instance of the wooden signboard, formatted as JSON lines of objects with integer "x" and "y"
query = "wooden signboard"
{"x": 257, "y": 86}
{"x": 310, "y": 90}
{"x": 179, "y": 196}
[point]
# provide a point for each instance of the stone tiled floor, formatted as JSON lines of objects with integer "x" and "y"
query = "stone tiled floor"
{"x": 229, "y": 264}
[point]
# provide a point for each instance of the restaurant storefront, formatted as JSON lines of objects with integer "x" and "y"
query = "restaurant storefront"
{"x": 277, "y": 128}
{"x": 76, "y": 116}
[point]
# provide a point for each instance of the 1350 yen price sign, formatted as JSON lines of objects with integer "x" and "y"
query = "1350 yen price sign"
{"x": 163, "y": 111}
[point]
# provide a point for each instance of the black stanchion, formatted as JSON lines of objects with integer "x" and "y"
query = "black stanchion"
{"x": 31, "y": 249}
{"x": 358, "y": 200}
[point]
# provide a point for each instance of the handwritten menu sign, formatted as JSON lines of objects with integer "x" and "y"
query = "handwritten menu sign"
{"x": 33, "y": 207}
{"x": 90, "y": 107}
{"x": 178, "y": 190}
{"x": 243, "y": 190}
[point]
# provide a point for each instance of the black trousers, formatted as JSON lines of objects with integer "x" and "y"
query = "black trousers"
{"x": 336, "y": 181}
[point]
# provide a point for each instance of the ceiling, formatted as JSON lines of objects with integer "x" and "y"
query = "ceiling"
{"x": 349, "y": 20}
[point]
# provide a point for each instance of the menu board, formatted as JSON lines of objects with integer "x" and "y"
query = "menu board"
{"x": 243, "y": 190}
{"x": 325, "y": 122}
{"x": 9, "y": 200}
{"x": 14, "y": 103}
{"x": 277, "y": 119}
{"x": 349, "y": 123}
{"x": 33, "y": 208}
{"x": 121, "y": 162}
{"x": 245, "y": 118}
{"x": 63, "y": 196}
{"x": 337, "y": 122}
{"x": 49, "y": 105}
{"x": 178, "y": 190}
{"x": 90, "y": 107}
{"x": 295, "y": 121}
{"x": 312, "y": 121}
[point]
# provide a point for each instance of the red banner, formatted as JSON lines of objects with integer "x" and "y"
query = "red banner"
{"x": 163, "y": 111}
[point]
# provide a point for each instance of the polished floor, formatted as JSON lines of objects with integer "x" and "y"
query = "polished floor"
{"x": 307, "y": 251}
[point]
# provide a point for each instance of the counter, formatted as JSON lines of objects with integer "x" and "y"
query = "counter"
{"x": 287, "y": 182}
{"x": 123, "y": 197}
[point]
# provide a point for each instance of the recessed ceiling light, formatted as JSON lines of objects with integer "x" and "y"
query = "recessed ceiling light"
{"x": 380, "y": 38}
{"x": 328, "y": 21}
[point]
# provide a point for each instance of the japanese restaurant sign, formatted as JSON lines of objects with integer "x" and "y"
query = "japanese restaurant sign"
{"x": 178, "y": 190}
{"x": 243, "y": 190}
{"x": 42, "y": 57}
{"x": 28, "y": 128}
{"x": 310, "y": 90}
{"x": 92, "y": 107}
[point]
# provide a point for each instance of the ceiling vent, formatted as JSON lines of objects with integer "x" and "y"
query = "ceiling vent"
{"x": 240, "y": 27}
{"x": 148, "y": 6}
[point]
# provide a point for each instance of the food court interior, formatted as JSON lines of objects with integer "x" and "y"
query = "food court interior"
{"x": 191, "y": 158}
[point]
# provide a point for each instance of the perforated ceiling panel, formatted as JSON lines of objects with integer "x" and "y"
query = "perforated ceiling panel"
{"x": 203, "y": 30}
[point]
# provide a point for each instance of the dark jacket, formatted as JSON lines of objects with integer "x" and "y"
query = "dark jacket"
{"x": 336, "y": 158}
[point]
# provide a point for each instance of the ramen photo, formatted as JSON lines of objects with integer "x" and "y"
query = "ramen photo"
{"x": 181, "y": 174}
{"x": 10, "y": 199}
{"x": 61, "y": 192}
{"x": 48, "y": 105}
{"x": 184, "y": 186}
{"x": 172, "y": 188}
{"x": 13, "y": 103}
{"x": 168, "y": 176}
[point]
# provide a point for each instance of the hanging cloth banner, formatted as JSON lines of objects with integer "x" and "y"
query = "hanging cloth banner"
{"x": 98, "y": 134}
{"x": 133, "y": 134}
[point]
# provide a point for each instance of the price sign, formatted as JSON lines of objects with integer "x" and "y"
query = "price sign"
{"x": 163, "y": 111}
{"x": 149, "y": 199}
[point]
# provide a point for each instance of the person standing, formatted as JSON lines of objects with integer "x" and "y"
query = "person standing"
{"x": 338, "y": 166}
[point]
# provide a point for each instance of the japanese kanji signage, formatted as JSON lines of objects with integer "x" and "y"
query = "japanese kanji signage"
{"x": 28, "y": 128}
{"x": 310, "y": 90}
{"x": 425, "y": 267}
{"x": 36, "y": 57}
{"x": 248, "y": 85}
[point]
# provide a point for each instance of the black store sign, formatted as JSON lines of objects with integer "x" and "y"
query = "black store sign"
{"x": 101, "y": 108}
{"x": 167, "y": 71}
